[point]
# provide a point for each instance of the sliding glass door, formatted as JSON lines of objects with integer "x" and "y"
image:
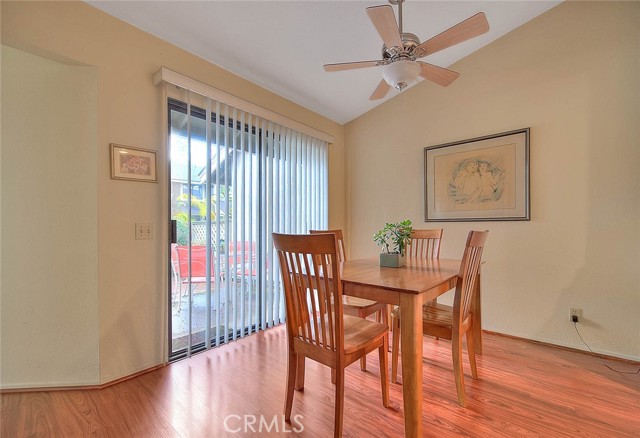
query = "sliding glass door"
{"x": 234, "y": 179}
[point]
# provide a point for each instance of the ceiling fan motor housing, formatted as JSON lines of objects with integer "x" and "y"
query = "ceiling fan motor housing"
{"x": 409, "y": 43}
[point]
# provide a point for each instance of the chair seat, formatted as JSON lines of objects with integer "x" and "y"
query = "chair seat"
{"x": 438, "y": 314}
{"x": 359, "y": 332}
{"x": 363, "y": 308}
{"x": 196, "y": 280}
{"x": 359, "y": 303}
{"x": 433, "y": 313}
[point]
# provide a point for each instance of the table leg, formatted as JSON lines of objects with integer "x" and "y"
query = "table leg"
{"x": 476, "y": 310}
{"x": 411, "y": 346}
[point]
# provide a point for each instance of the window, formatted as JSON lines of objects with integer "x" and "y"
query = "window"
{"x": 234, "y": 179}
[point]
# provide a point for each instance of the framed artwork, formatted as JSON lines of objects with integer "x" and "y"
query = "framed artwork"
{"x": 481, "y": 179}
{"x": 133, "y": 164}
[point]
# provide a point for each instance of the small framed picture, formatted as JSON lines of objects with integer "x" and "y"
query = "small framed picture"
{"x": 133, "y": 164}
{"x": 481, "y": 179}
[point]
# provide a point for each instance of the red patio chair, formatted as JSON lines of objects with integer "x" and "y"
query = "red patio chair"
{"x": 198, "y": 267}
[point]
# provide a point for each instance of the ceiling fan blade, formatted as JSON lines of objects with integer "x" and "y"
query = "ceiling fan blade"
{"x": 463, "y": 31}
{"x": 439, "y": 75}
{"x": 384, "y": 21}
{"x": 381, "y": 90}
{"x": 350, "y": 65}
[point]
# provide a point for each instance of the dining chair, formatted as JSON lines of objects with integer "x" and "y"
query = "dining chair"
{"x": 198, "y": 274}
{"x": 448, "y": 322}
{"x": 360, "y": 307}
{"x": 317, "y": 328}
{"x": 424, "y": 244}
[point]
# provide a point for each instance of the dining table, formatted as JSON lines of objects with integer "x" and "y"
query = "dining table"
{"x": 409, "y": 287}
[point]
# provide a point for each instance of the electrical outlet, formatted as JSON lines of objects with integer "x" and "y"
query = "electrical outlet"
{"x": 144, "y": 231}
{"x": 574, "y": 311}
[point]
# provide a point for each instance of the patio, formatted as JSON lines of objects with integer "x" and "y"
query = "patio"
{"x": 233, "y": 304}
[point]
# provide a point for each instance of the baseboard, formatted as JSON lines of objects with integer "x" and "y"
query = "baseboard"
{"x": 566, "y": 347}
{"x": 81, "y": 387}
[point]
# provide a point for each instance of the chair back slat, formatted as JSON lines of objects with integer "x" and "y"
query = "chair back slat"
{"x": 312, "y": 288}
{"x": 342, "y": 252}
{"x": 468, "y": 275}
{"x": 425, "y": 244}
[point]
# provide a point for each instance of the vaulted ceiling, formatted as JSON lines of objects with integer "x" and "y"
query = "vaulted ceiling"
{"x": 282, "y": 45}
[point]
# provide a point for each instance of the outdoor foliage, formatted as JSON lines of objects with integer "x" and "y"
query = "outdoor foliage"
{"x": 182, "y": 223}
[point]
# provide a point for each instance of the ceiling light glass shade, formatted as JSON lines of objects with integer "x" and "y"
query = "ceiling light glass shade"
{"x": 399, "y": 74}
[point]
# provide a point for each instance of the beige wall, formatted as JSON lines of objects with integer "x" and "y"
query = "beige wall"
{"x": 49, "y": 312}
{"x": 573, "y": 76}
{"x": 131, "y": 282}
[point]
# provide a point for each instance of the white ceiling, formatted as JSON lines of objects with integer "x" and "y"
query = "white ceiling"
{"x": 282, "y": 45}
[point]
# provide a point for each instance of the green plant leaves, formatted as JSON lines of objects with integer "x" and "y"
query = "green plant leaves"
{"x": 397, "y": 235}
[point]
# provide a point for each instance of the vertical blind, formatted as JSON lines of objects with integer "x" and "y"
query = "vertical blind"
{"x": 247, "y": 177}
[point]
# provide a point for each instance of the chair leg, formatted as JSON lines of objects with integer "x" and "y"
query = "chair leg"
{"x": 395, "y": 348}
{"x": 300, "y": 373}
{"x": 384, "y": 370}
{"x": 337, "y": 428}
{"x": 456, "y": 350}
{"x": 179, "y": 297}
{"x": 292, "y": 362}
{"x": 333, "y": 376}
{"x": 174, "y": 287}
{"x": 363, "y": 359}
{"x": 384, "y": 315}
{"x": 471, "y": 350}
{"x": 389, "y": 321}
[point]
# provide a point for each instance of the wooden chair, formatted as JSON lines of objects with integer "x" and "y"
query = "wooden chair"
{"x": 360, "y": 307}
{"x": 316, "y": 325}
{"x": 180, "y": 266}
{"x": 451, "y": 322}
{"x": 424, "y": 244}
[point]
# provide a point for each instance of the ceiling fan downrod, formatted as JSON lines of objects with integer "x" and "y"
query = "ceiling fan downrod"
{"x": 399, "y": 4}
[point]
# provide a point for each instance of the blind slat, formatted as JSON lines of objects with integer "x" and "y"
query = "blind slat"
{"x": 255, "y": 177}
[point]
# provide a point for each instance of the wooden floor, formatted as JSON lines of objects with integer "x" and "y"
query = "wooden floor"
{"x": 525, "y": 389}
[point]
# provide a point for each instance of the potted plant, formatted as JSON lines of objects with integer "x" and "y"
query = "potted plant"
{"x": 393, "y": 238}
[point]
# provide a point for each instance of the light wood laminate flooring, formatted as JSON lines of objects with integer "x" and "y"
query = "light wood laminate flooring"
{"x": 525, "y": 389}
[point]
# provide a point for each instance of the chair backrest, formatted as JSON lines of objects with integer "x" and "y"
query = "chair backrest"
{"x": 468, "y": 275}
{"x": 313, "y": 291}
{"x": 424, "y": 244}
{"x": 342, "y": 252}
{"x": 198, "y": 261}
{"x": 174, "y": 258}
{"x": 241, "y": 252}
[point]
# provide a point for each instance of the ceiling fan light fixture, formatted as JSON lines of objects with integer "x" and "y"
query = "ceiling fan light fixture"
{"x": 400, "y": 74}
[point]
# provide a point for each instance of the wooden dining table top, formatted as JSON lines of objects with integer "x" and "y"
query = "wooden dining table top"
{"x": 417, "y": 276}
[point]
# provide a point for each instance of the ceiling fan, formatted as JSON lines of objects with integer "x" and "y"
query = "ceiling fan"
{"x": 401, "y": 49}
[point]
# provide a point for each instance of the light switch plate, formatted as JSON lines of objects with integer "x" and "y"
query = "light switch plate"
{"x": 144, "y": 231}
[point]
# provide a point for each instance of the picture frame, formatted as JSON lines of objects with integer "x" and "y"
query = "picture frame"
{"x": 133, "y": 164}
{"x": 480, "y": 179}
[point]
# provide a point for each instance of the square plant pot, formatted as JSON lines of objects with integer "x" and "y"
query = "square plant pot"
{"x": 391, "y": 260}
